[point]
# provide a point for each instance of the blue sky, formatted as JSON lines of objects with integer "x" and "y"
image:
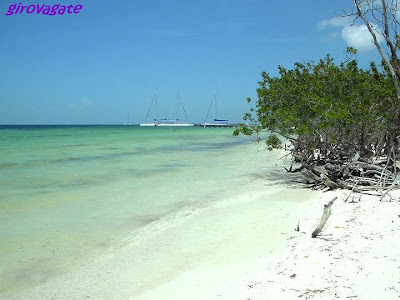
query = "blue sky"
{"x": 97, "y": 66}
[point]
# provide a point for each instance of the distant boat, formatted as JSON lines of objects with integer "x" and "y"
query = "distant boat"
{"x": 175, "y": 122}
{"x": 153, "y": 107}
{"x": 128, "y": 123}
{"x": 216, "y": 122}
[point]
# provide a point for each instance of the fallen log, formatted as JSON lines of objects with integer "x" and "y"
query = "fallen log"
{"x": 328, "y": 182}
{"x": 353, "y": 173}
{"x": 325, "y": 216}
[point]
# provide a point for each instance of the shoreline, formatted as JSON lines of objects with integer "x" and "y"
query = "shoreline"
{"x": 355, "y": 257}
{"x": 218, "y": 234}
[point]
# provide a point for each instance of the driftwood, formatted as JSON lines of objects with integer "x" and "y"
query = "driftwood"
{"x": 348, "y": 170}
{"x": 325, "y": 216}
{"x": 298, "y": 227}
{"x": 329, "y": 183}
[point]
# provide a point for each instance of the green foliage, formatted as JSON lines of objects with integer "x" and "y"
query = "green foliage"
{"x": 323, "y": 106}
{"x": 273, "y": 142}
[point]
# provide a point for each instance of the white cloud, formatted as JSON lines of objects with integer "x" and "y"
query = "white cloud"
{"x": 83, "y": 104}
{"x": 356, "y": 36}
{"x": 359, "y": 37}
{"x": 334, "y": 22}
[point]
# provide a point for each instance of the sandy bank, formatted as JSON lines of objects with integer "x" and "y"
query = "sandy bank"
{"x": 230, "y": 228}
{"x": 356, "y": 257}
{"x": 232, "y": 251}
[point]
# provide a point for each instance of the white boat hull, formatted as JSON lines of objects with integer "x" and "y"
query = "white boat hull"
{"x": 216, "y": 125}
{"x": 175, "y": 125}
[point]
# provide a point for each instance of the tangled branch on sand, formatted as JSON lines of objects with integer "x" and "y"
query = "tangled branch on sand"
{"x": 349, "y": 171}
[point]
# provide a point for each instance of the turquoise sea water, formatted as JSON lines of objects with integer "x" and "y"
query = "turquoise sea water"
{"x": 69, "y": 192}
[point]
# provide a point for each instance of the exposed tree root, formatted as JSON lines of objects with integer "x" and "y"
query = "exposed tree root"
{"x": 352, "y": 172}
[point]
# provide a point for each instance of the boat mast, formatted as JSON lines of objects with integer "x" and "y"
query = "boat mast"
{"x": 180, "y": 103}
{"x": 215, "y": 105}
{"x": 213, "y": 102}
{"x": 155, "y": 106}
{"x": 177, "y": 114}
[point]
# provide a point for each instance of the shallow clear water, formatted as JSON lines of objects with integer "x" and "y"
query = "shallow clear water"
{"x": 70, "y": 192}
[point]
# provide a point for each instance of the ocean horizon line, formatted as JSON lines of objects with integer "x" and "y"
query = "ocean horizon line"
{"x": 138, "y": 124}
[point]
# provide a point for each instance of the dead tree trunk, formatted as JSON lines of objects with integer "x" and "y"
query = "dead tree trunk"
{"x": 325, "y": 216}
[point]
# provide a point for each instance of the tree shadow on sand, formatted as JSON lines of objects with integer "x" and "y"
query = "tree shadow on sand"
{"x": 281, "y": 177}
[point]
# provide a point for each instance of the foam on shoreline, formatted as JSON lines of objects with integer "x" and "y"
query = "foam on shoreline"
{"x": 244, "y": 246}
{"x": 220, "y": 235}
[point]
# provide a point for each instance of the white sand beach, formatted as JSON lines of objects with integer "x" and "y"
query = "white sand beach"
{"x": 217, "y": 238}
{"x": 356, "y": 257}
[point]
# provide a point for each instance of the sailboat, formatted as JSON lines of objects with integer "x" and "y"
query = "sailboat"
{"x": 129, "y": 123}
{"x": 175, "y": 122}
{"x": 153, "y": 107}
{"x": 216, "y": 122}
